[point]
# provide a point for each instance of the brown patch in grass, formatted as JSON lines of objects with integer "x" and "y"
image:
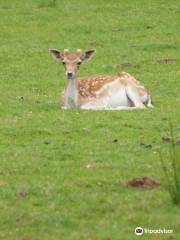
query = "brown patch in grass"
{"x": 22, "y": 194}
{"x": 127, "y": 65}
{"x": 20, "y": 219}
{"x": 143, "y": 182}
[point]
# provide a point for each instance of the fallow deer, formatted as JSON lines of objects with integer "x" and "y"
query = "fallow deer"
{"x": 100, "y": 92}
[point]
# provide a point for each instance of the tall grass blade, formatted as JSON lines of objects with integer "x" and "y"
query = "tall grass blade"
{"x": 172, "y": 173}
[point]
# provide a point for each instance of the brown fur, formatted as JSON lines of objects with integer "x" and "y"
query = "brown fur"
{"x": 88, "y": 86}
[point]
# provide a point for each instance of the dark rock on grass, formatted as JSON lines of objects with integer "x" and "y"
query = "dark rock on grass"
{"x": 47, "y": 141}
{"x": 167, "y": 139}
{"x": 170, "y": 139}
{"x": 149, "y": 27}
{"x": 20, "y": 98}
{"x": 143, "y": 182}
{"x": 146, "y": 145}
{"x": 167, "y": 60}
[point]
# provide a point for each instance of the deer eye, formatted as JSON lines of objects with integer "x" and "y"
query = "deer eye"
{"x": 63, "y": 62}
{"x": 79, "y": 63}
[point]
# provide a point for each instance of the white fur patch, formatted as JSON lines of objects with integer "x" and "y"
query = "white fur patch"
{"x": 116, "y": 95}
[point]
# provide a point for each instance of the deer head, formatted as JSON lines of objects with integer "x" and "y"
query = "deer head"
{"x": 72, "y": 61}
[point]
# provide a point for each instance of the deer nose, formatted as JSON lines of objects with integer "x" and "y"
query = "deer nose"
{"x": 69, "y": 74}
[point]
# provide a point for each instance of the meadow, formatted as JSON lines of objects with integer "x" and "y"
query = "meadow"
{"x": 63, "y": 173}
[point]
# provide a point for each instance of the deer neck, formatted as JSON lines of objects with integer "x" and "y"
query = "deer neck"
{"x": 71, "y": 94}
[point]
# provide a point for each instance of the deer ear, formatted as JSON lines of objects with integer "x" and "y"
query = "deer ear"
{"x": 88, "y": 54}
{"x": 56, "y": 54}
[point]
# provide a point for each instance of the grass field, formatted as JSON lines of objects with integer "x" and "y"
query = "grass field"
{"x": 73, "y": 188}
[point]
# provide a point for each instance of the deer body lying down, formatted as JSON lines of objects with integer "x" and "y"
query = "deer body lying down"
{"x": 100, "y": 92}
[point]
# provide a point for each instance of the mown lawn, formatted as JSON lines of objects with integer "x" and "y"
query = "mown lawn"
{"x": 63, "y": 173}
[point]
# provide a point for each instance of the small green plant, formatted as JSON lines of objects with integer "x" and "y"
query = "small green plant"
{"x": 172, "y": 173}
{"x": 53, "y": 3}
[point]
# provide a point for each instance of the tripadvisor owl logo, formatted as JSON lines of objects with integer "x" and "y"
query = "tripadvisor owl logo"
{"x": 139, "y": 231}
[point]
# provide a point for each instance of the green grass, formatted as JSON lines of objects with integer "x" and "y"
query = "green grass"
{"x": 172, "y": 171}
{"x": 74, "y": 187}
